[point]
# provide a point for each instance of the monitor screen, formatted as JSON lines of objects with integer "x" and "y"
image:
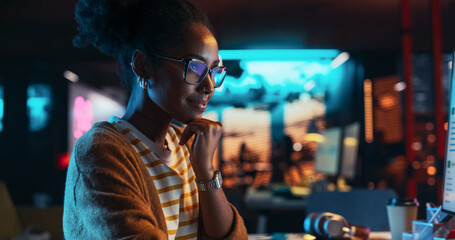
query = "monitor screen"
{"x": 328, "y": 152}
{"x": 448, "y": 197}
{"x": 350, "y": 150}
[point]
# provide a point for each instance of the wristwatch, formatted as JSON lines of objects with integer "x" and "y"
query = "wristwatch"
{"x": 210, "y": 185}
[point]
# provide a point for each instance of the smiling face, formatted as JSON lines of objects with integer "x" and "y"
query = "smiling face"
{"x": 178, "y": 99}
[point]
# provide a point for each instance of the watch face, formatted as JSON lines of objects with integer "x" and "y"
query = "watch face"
{"x": 218, "y": 175}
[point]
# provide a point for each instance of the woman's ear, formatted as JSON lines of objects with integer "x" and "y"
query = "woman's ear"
{"x": 138, "y": 64}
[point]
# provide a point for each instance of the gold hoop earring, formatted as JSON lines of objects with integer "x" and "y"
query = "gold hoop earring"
{"x": 142, "y": 82}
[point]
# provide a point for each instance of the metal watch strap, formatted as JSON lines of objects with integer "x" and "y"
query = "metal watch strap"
{"x": 211, "y": 185}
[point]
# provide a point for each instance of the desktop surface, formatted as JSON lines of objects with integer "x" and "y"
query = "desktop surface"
{"x": 303, "y": 236}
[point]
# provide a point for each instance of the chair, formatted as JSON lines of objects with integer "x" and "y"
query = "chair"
{"x": 10, "y": 224}
{"x": 359, "y": 206}
{"x": 13, "y": 221}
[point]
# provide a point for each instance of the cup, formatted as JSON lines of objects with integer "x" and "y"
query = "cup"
{"x": 401, "y": 213}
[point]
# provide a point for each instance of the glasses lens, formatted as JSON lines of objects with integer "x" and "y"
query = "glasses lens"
{"x": 196, "y": 71}
{"x": 218, "y": 75}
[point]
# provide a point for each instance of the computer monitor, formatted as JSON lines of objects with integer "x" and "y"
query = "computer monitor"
{"x": 448, "y": 197}
{"x": 328, "y": 152}
{"x": 350, "y": 150}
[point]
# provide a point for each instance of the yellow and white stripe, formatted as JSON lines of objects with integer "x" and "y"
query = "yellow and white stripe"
{"x": 173, "y": 176}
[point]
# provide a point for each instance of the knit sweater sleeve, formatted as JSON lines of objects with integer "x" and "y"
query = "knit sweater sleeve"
{"x": 106, "y": 195}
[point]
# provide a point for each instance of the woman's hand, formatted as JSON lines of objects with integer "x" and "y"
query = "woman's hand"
{"x": 207, "y": 135}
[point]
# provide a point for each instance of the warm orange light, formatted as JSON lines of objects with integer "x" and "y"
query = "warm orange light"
{"x": 370, "y": 185}
{"x": 314, "y": 137}
{"x": 350, "y": 141}
{"x": 387, "y": 101}
{"x": 416, "y": 164}
{"x": 431, "y": 170}
{"x": 368, "y": 105}
{"x": 429, "y": 126}
{"x": 446, "y": 125}
{"x": 431, "y": 181}
{"x": 416, "y": 146}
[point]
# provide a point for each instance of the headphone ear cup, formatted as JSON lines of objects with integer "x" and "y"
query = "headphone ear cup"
{"x": 326, "y": 225}
{"x": 333, "y": 227}
{"x": 319, "y": 224}
{"x": 345, "y": 222}
{"x": 308, "y": 224}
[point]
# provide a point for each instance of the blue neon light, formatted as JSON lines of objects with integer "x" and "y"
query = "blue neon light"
{"x": 278, "y": 54}
{"x": 39, "y": 105}
{"x": 1, "y": 108}
{"x": 274, "y": 76}
{"x": 286, "y": 72}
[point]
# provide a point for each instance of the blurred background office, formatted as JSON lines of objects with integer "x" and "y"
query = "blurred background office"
{"x": 321, "y": 95}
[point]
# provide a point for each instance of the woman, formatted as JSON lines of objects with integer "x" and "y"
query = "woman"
{"x": 139, "y": 176}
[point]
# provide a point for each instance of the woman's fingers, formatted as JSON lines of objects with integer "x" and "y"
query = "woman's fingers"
{"x": 200, "y": 126}
{"x": 207, "y": 135}
{"x": 187, "y": 134}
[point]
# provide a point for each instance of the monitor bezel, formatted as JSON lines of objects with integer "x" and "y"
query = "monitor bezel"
{"x": 452, "y": 76}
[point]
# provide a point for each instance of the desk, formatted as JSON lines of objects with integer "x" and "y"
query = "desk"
{"x": 264, "y": 201}
{"x": 301, "y": 236}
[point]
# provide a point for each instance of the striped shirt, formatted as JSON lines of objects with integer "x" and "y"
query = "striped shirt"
{"x": 173, "y": 176}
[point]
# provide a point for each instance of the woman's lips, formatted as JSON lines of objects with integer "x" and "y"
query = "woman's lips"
{"x": 201, "y": 104}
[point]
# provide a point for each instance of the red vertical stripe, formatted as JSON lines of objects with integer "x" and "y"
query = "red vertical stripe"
{"x": 437, "y": 65}
{"x": 407, "y": 74}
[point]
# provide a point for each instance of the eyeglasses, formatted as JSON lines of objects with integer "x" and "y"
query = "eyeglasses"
{"x": 195, "y": 71}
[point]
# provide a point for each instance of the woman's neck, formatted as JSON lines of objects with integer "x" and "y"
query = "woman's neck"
{"x": 148, "y": 118}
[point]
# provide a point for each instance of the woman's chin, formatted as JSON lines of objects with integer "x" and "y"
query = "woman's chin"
{"x": 189, "y": 119}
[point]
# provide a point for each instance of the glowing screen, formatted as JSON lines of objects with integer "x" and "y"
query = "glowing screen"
{"x": 350, "y": 147}
{"x": 328, "y": 151}
{"x": 448, "y": 198}
{"x": 39, "y": 104}
{"x": 246, "y": 126}
{"x": 267, "y": 95}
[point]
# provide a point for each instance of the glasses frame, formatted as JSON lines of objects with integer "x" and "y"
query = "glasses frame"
{"x": 186, "y": 62}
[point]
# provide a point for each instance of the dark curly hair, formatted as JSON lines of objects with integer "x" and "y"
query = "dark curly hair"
{"x": 118, "y": 27}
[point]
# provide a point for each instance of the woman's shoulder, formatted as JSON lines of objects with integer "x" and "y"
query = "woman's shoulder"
{"x": 102, "y": 133}
{"x": 103, "y": 143}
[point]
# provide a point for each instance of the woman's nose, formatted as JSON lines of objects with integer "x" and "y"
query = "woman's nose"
{"x": 207, "y": 85}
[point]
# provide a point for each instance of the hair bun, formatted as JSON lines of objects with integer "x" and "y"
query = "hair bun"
{"x": 105, "y": 24}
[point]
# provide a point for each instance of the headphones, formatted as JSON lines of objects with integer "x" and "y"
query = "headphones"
{"x": 331, "y": 225}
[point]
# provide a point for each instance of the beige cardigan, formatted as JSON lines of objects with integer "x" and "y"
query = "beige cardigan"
{"x": 110, "y": 195}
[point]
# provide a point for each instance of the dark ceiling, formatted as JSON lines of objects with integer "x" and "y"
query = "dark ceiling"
{"x": 43, "y": 29}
